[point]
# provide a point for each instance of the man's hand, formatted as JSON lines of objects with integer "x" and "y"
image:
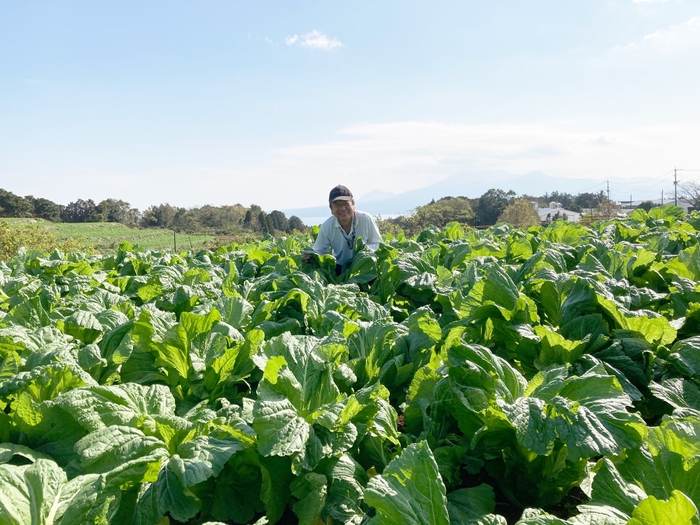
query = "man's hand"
{"x": 308, "y": 254}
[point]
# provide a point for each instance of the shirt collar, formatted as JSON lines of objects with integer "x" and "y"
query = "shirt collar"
{"x": 354, "y": 222}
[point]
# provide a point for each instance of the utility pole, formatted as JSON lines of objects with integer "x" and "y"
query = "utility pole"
{"x": 662, "y": 197}
{"x": 608, "y": 183}
{"x": 675, "y": 186}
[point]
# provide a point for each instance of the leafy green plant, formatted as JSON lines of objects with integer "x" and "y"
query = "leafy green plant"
{"x": 547, "y": 375}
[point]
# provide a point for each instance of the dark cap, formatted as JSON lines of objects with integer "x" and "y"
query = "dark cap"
{"x": 340, "y": 193}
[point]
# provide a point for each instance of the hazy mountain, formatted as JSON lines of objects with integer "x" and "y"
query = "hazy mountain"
{"x": 376, "y": 195}
{"x": 472, "y": 184}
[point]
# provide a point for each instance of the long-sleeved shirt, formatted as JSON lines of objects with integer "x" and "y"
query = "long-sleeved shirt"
{"x": 332, "y": 237}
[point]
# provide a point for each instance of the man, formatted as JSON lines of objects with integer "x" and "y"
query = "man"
{"x": 338, "y": 233}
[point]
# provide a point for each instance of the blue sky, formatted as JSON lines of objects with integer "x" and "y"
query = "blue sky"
{"x": 273, "y": 103}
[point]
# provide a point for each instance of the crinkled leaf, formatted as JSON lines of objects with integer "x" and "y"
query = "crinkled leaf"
{"x": 97, "y": 407}
{"x": 409, "y": 491}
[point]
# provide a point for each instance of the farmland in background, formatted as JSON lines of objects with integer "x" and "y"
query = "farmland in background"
{"x": 106, "y": 236}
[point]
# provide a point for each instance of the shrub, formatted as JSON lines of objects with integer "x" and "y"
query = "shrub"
{"x": 520, "y": 214}
{"x": 32, "y": 237}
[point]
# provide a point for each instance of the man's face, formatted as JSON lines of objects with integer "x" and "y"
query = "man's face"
{"x": 343, "y": 210}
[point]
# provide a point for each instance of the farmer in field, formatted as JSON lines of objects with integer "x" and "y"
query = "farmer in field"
{"x": 338, "y": 233}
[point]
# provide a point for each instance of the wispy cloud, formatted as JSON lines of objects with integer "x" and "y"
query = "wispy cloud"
{"x": 401, "y": 156}
{"x": 672, "y": 39}
{"x": 314, "y": 40}
{"x": 395, "y": 157}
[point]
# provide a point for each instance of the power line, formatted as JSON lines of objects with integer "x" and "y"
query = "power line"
{"x": 666, "y": 174}
{"x": 660, "y": 179}
{"x": 607, "y": 183}
{"x": 594, "y": 187}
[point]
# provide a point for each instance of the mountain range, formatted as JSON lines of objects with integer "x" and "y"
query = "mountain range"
{"x": 474, "y": 184}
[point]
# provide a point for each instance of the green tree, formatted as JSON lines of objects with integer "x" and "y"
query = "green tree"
{"x": 279, "y": 221}
{"x": 435, "y": 213}
{"x": 79, "y": 211}
{"x": 45, "y": 208}
{"x": 265, "y": 223}
{"x": 646, "y": 205}
{"x": 565, "y": 199}
{"x": 521, "y": 214}
{"x": 491, "y": 205}
{"x": 113, "y": 210}
{"x": 12, "y": 205}
{"x": 252, "y": 218}
{"x": 221, "y": 219}
{"x": 589, "y": 200}
{"x": 296, "y": 224}
{"x": 440, "y": 212}
{"x": 187, "y": 220}
{"x": 161, "y": 216}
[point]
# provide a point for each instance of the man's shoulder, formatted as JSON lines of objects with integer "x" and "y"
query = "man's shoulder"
{"x": 363, "y": 215}
{"x": 328, "y": 223}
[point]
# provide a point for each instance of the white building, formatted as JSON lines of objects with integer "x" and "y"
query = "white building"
{"x": 555, "y": 212}
{"x": 628, "y": 207}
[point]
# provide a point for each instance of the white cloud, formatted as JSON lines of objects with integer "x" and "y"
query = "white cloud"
{"x": 402, "y": 156}
{"x": 269, "y": 40}
{"x": 317, "y": 40}
{"x": 672, "y": 39}
{"x": 392, "y": 156}
{"x": 314, "y": 40}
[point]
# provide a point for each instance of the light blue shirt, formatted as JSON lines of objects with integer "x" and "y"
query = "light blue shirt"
{"x": 332, "y": 237}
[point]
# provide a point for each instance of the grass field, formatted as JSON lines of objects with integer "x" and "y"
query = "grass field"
{"x": 105, "y": 236}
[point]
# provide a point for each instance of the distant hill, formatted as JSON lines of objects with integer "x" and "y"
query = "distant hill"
{"x": 377, "y": 195}
{"x": 472, "y": 184}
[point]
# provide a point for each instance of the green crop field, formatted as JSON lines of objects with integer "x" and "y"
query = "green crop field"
{"x": 547, "y": 376}
{"x": 105, "y": 236}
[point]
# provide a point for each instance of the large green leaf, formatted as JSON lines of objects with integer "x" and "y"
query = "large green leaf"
{"x": 299, "y": 407}
{"x": 589, "y": 414}
{"x": 685, "y": 356}
{"x": 474, "y": 506}
{"x": 678, "y": 509}
{"x": 40, "y": 493}
{"x": 410, "y": 491}
{"x": 128, "y": 404}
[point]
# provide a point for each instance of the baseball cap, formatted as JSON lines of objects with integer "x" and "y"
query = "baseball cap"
{"x": 340, "y": 193}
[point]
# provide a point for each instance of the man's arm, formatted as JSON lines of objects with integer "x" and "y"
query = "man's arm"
{"x": 322, "y": 246}
{"x": 374, "y": 237}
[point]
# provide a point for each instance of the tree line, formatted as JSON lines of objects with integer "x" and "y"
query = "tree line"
{"x": 494, "y": 206}
{"x": 219, "y": 220}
